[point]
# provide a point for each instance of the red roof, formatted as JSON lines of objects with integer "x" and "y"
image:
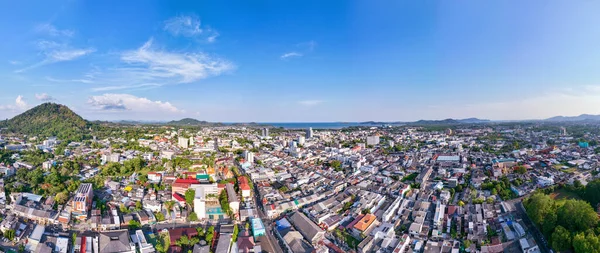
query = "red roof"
{"x": 351, "y": 225}
{"x": 178, "y": 197}
{"x": 176, "y": 233}
{"x": 187, "y": 181}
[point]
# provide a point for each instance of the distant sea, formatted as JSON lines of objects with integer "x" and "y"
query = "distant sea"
{"x": 316, "y": 125}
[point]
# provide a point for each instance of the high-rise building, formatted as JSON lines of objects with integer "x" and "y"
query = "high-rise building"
{"x": 309, "y": 133}
{"x": 249, "y": 156}
{"x": 301, "y": 140}
{"x": 183, "y": 142}
{"x": 265, "y": 132}
{"x": 563, "y": 131}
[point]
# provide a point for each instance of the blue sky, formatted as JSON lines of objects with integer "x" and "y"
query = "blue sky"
{"x": 295, "y": 61}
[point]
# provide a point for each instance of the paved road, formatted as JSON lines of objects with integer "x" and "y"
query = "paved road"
{"x": 273, "y": 242}
{"x": 531, "y": 228}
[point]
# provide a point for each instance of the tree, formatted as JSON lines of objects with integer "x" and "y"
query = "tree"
{"x": 467, "y": 243}
{"x": 461, "y": 203}
{"x": 200, "y": 231}
{"x": 589, "y": 243}
{"x": 210, "y": 232}
{"x": 124, "y": 209}
{"x": 236, "y": 231}
{"x": 538, "y": 206}
{"x": 521, "y": 169}
{"x": 9, "y": 234}
{"x": 169, "y": 204}
{"x": 134, "y": 225}
{"x": 192, "y": 217}
{"x": 365, "y": 211}
{"x": 159, "y": 216}
{"x": 190, "y": 194}
{"x": 592, "y": 192}
{"x": 561, "y": 239}
{"x": 138, "y": 205}
{"x": 576, "y": 215}
{"x": 61, "y": 197}
{"x": 163, "y": 242}
{"x": 336, "y": 165}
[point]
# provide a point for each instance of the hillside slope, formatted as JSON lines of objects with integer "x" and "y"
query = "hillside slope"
{"x": 48, "y": 119}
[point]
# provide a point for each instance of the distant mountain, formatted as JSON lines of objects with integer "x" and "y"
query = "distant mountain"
{"x": 582, "y": 117}
{"x": 450, "y": 121}
{"x": 473, "y": 120}
{"x": 191, "y": 122}
{"x": 48, "y": 119}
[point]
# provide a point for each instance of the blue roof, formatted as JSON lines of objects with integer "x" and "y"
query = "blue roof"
{"x": 283, "y": 224}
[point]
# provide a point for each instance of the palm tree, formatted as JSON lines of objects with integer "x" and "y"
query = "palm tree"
{"x": 169, "y": 206}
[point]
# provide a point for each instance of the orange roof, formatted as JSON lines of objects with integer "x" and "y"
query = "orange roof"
{"x": 365, "y": 222}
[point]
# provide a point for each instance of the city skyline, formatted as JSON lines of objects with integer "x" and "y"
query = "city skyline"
{"x": 301, "y": 61}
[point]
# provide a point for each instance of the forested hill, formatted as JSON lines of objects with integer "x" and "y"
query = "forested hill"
{"x": 48, "y": 119}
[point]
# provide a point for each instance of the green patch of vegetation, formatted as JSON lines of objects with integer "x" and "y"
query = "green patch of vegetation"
{"x": 410, "y": 177}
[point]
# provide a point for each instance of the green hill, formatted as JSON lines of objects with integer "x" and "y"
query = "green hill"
{"x": 191, "y": 122}
{"x": 48, "y": 119}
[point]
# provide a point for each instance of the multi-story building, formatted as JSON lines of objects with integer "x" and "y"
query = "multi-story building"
{"x": 373, "y": 140}
{"x": 244, "y": 187}
{"x": 309, "y": 133}
{"x": 82, "y": 202}
{"x": 183, "y": 142}
{"x": 265, "y": 132}
{"x": 249, "y": 156}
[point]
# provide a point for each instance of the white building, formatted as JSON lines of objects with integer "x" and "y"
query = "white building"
{"x": 301, "y": 140}
{"x": 183, "y": 142}
{"x": 249, "y": 156}
{"x": 373, "y": 140}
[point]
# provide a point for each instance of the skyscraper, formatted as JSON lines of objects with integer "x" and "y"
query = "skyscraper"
{"x": 309, "y": 133}
{"x": 265, "y": 132}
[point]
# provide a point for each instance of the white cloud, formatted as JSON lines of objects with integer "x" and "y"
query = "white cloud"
{"x": 189, "y": 26}
{"x": 290, "y": 55}
{"x": 14, "y": 62}
{"x": 56, "y": 52}
{"x": 19, "y": 105}
{"x": 151, "y": 64}
{"x": 68, "y": 54}
{"x": 44, "y": 97}
{"x": 127, "y": 102}
{"x": 310, "y": 102}
{"x": 54, "y": 80}
{"x": 125, "y": 87}
{"x": 51, "y": 30}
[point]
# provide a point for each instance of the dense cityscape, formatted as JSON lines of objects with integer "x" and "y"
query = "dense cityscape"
{"x": 71, "y": 185}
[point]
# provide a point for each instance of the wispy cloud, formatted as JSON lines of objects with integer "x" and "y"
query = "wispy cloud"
{"x": 190, "y": 26}
{"x": 127, "y": 87}
{"x": 59, "y": 55}
{"x": 301, "y": 50}
{"x": 55, "y": 80}
{"x": 51, "y": 30}
{"x": 54, "y": 51}
{"x": 44, "y": 97}
{"x": 127, "y": 102}
{"x": 310, "y": 102}
{"x": 14, "y": 62}
{"x": 152, "y": 64}
{"x": 290, "y": 55}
